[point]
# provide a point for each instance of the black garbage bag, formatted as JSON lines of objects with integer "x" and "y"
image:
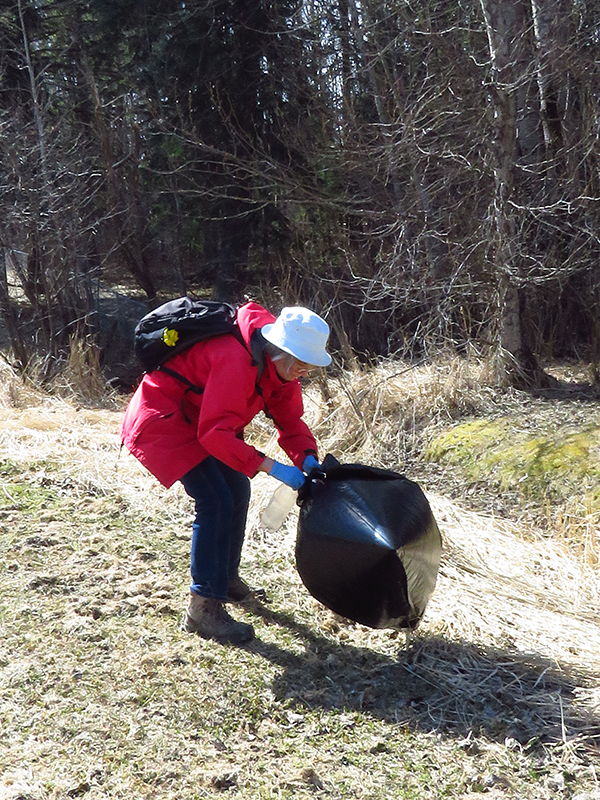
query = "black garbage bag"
{"x": 368, "y": 546}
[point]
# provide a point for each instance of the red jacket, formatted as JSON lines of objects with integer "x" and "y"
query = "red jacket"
{"x": 155, "y": 429}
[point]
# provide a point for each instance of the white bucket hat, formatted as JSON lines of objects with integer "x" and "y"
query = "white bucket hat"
{"x": 301, "y": 333}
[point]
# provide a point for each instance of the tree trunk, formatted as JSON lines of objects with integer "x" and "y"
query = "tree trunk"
{"x": 123, "y": 195}
{"x": 10, "y": 316}
{"x": 517, "y": 135}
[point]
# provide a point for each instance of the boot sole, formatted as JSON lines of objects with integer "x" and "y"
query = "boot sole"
{"x": 191, "y": 626}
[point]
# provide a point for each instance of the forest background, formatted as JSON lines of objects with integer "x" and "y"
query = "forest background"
{"x": 423, "y": 173}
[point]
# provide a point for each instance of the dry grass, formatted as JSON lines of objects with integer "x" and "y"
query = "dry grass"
{"x": 79, "y": 380}
{"x": 381, "y": 415}
{"x": 104, "y": 697}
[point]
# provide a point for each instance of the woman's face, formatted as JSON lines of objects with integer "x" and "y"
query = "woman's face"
{"x": 288, "y": 368}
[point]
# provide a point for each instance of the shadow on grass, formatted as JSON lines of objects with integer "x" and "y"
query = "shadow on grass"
{"x": 434, "y": 685}
{"x": 569, "y": 390}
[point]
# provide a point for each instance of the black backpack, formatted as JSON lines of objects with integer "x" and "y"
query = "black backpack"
{"x": 177, "y": 325}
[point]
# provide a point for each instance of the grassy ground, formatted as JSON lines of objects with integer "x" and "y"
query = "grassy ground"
{"x": 103, "y": 696}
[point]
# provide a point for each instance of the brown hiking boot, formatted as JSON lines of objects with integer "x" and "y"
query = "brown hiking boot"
{"x": 238, "y": 591}
{"x": 207, "y": 617}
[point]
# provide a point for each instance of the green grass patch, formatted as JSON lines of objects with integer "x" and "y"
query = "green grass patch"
{"x": 25, "y": 494}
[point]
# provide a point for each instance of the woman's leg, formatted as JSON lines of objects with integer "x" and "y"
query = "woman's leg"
{"x": 221, "y": 498}
{"x": 239, "y": 486}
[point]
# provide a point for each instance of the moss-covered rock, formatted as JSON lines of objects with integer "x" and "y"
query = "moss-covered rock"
{"x": 511, "y": 454}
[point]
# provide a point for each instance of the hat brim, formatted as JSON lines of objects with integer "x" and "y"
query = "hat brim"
{"x": 322, "y": 359}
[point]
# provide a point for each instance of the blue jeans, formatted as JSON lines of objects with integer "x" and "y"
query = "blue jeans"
{"x": 221, "y": 496}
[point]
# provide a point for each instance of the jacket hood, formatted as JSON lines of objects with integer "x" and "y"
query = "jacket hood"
{"x": 250, "y": 318}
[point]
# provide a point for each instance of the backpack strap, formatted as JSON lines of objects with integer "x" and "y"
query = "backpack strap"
{"x": 258, "y": 345}
{"x": 191, "y": 387}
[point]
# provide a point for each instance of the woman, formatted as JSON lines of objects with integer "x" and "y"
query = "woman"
{"x": 198, "y": 440}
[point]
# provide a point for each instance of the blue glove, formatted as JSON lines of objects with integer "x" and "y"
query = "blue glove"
{"x": 292, "y": 476}
{"x": 310, "y": 462}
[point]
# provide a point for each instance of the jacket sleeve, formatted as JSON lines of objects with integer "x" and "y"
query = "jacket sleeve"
{"x": 226, "y": 408}
{"x": 294, "y": 437}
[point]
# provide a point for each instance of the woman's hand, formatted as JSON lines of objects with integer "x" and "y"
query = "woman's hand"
{"x": 291, "y": 476}
{"x": 310, "y": 462}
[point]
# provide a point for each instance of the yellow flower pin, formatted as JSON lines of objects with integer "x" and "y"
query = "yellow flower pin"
{"x": 170, "y": 337}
